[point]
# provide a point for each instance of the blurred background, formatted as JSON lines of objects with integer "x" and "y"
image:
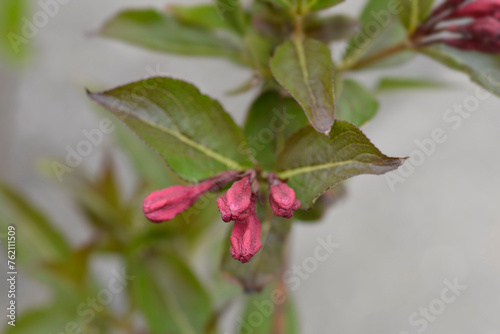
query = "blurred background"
{"x": 399, "y": 247}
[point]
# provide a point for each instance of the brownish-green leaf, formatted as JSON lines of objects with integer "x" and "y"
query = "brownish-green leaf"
{"x": 314, "y": 163}
{"x": 331, "y": 28}
{"x": 482, "y": 68}
{"x": 271, "y": 119}
{"x": 356, "y": 105}
{"x": 190, "y": 130}
{"x": 305, "y": 69}
{"x": 266, "y": 264}
{"x": 169, "y": 295}
{"x": 162, "y": 32}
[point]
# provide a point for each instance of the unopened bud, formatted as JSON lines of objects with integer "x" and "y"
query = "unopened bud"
{"x": 245, "y": 238}
{"x": 163, "y": 205}
{"x": 282, "y": 198}
{"x": 235, "y": 204}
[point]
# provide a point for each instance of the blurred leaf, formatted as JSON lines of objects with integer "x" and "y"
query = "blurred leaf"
{"x": 259, "y": 50}
{"x": 389, "y": 33}
{"x": 48, "y": 319}
{"x": 482, "y": 68}
{"x": 74, "y": 269}
{"x": 190, "y": 130}
{"x": 313, "y": 163}
{"x": 356, "y": 105}
{"x": 322, "y": 204}
{"x": 271, "y": 119}
{"x": 13, "y": 43}
{"x": 288, "y": 4}
{"x": 271, "y": 304}
{"x": 413, "y": 12}
{"x": 331, "y": 28}
{"x": 169, "y": 295}
{"x": 160, "y": 32}
{"x": 204, "y": 16}
{"x": 37, "y": 239}
{"x": 322, "y": 4}
{"x": 265, "y": 265}
{"x": 233, "y": 13}
{"x": 390, "y": 84}
{"x": 305, "y": 69}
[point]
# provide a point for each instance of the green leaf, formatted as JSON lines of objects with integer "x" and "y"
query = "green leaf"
{"x": 380, "y": 30}
{"x": 315, "y": 163}
{"x": 169, "y": 295}
{"x": 48, "y": 319}
{"x": 13, "y": 44}
{"x": 288, "y": 4}
{"x": 266, "y": 264}
{"x": 482, "y": 68}
{"x": 322, "y": 4}
{"x": 356, "y": 105}
{"x": 413, "y": 12}
{"x": 391, "y": 84}
{"x": 204, "y": 16}
{"x": 233, "y": 13}
{"x": 161, "y": 32}
{"x": 272, "y": 304}
{"x": 331, "y": 28}
{"x": 147, "y": 163}
{"x": 271, "y": 119}
{"x": 259, "y": 50}
{"x": 190, "y": 130}
{"x": 37, "y": 239}
{"x": 305, "y": 69}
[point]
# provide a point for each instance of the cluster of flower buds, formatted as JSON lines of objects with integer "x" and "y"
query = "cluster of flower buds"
{"x": 237, "y": 204}
{"x": 478, "y": 28}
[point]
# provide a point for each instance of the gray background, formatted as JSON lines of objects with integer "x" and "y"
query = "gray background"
{"x": 396, "y": 247}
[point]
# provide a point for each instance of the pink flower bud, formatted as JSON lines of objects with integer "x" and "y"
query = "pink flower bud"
{"x": 245, "y": 238}
{"x": 163, "y": 205}
{"x": 482, "y": 35}
{"x": 282, "y": 199}
{"x": 237, "y": 202}
{"x": 478, "y": 9}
